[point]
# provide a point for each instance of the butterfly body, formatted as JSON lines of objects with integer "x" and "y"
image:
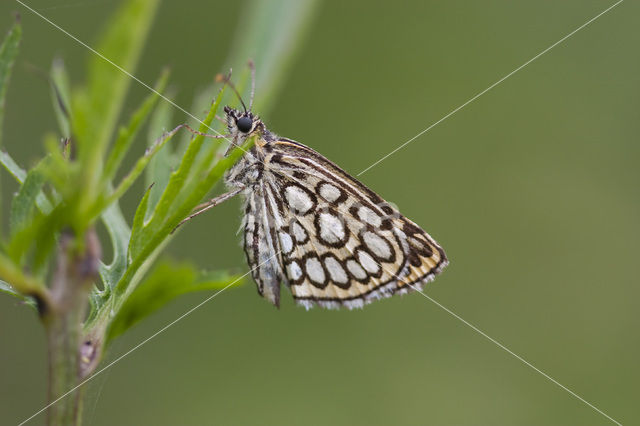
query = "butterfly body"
{"x": 311, "y": 226}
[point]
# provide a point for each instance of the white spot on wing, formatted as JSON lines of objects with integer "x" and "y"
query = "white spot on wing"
{"x": 286, "y": 242}
{"x": 336, "y": 271}
{"x": 314, "y": 270}
{"x": 298, "y": 199}
{"x": 367, "y": 215}
{"x": 329, "y": 192}
{"x": 299, "y": 232}
{"x": 377, "y": 245}
{"x": 368, "y": 262}
{"x": 294, "y": 270}
{"x": 356, "y": 270}
{"x": 331, "y": 228}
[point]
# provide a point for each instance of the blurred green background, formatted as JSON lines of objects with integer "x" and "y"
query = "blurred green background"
{"x": 532, "y": 190}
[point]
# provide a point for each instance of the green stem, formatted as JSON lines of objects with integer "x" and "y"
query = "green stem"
{"x": 63, "y": 339}
{"x": 76, "y": 269}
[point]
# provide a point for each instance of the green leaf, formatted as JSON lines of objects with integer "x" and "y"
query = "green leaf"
{"x": 135, "y": 244}
{"x": 127, "y": 134}
{"x": 97, "y": 105}
{"x": 20, "y": 175}
{"x": 24, "y": 201}
{"x": 165, "y": 283}
{"x": 7, "y": 289}
{"x": 38, "y": 234}
{"x": 8, "y": 53}
{"x": 29, "y": 195}
{"x": 159, "y": 169}
{"x": 12, "y": 167}
{"x": 61, "y": 97}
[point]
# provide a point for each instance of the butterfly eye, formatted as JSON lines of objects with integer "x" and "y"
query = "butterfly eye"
{"x": 244, "y": 124}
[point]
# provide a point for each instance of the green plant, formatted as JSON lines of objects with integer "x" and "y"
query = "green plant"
{"x": 51, "y": 257}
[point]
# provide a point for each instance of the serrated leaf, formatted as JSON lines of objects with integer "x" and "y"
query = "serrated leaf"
{"x": 165, "y": 283}
{"x": 110, "y": 274}
{"x": 119, "y": 234}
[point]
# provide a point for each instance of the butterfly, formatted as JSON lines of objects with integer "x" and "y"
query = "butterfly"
{"x": 311, "y": 226}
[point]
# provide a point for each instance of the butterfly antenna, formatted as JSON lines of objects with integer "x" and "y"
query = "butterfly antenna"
{"x": 252, "y": 67}
{"x": 227, "y": 80}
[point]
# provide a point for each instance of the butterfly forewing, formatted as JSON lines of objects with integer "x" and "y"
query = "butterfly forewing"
{"x": 336, "y": 243}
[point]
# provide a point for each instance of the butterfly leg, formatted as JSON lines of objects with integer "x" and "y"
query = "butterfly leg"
{"x": 208, "y": 205}
{"x": 195, "y": 132}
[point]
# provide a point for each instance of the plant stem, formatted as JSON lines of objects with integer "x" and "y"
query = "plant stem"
{"x": 76, "y": 270}
{"x": 63, "y": 341}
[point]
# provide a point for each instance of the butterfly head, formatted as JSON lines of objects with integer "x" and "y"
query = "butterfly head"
{"x": 241, "y": 124}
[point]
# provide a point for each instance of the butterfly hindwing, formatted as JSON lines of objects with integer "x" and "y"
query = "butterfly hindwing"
{"x": 259, "y": 244}
{"x": 338, "y": 243}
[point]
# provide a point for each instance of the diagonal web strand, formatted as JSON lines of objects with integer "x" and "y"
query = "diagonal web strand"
{"x": 490, "y": 87}
{"x": 509, "y": 351}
